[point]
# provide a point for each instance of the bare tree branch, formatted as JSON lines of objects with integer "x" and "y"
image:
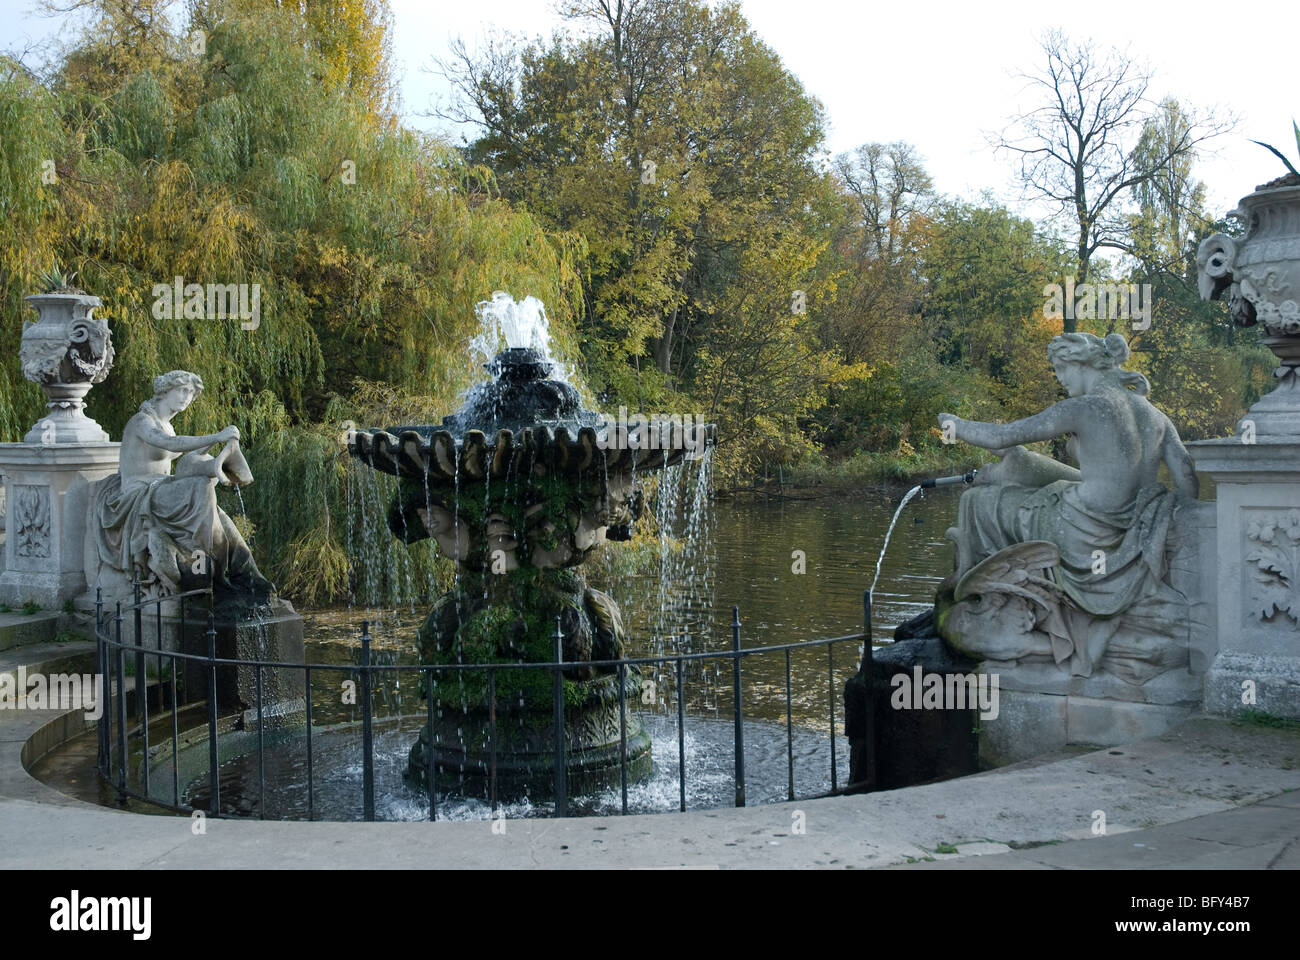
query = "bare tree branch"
{"x": 1076, "y": 151}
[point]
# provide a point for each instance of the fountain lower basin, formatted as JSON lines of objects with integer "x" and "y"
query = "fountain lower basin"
{"x": 707, "y": 741}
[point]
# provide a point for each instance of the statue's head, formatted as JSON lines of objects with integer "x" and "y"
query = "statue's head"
{"x": 176, "y": 389}
{"x": 1076, "y": 355}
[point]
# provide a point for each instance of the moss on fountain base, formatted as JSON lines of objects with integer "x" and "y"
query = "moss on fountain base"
{"x": 525, "y": 748}
{"x": 510, "y": 619}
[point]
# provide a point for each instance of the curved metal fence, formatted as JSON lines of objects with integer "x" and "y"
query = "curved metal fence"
{"x": 125, "y": 757}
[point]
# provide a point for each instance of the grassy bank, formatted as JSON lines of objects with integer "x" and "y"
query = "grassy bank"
{"x": 818, "y": 475}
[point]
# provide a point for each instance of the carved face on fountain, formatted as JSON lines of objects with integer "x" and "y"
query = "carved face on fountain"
{"x": 90, "y": 348}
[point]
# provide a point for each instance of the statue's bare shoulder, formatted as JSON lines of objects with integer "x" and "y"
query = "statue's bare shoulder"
{"x": 143, "y": 427}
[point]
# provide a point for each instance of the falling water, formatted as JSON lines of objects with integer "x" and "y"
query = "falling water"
{"x": 404, "y": 561}
{"x": 455, "y": 529}
{"x": 350, "y": 526}
{"x": 431, "y": 587}
{"x": 378, "y": 570}
{"x": 885, "y": 546}
{"x": 371, "y": 511}
{"x": 682, "y": 510}
{"x": 487, "y": 506}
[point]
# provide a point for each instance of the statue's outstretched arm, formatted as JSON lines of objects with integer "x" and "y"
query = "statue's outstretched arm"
{"x": 165, "y": 441}
{"x": 1058, "y": 419}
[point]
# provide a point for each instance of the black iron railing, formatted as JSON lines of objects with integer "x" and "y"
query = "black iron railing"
{"x": 128, "y": 768}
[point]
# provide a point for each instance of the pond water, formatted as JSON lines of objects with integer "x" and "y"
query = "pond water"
{"x": 754, "y": 547}
{"x": 753, "y": 558}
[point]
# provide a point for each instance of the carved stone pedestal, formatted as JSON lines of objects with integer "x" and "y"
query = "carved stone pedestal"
{"x": 1258, "y": 487}
{"x": 46, "y": 496}
{"x": 1041, "y": 711}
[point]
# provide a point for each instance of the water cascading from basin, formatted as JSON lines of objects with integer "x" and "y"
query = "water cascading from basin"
{"x": 517, "y": 487}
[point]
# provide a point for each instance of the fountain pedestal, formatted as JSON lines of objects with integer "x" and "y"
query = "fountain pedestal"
{"x": 525, "y": 745}
{"x": 47, "y": 477}
{"x": 275, "y": 634}
{"x": 512, "y": 618}
{"x": 1258, "y": 573}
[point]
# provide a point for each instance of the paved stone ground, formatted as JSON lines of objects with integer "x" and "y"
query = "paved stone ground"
{"x": 1213, "y": 794}
{"x": 1261, "y": 836}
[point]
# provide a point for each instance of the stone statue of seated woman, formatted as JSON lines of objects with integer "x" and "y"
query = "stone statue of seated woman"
{"x": 1071, "y": 566}
{"x": 165, "y": 529}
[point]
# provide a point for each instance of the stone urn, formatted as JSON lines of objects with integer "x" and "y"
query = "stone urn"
{"x": 1259, "y": 272}
{"x": 66, "y": 351}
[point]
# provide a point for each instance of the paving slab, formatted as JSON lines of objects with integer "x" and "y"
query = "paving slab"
{"x": 1289, "y": 799}
{"x": 1288, "y": 858}
{"x": 1006, "y": 861}
{"x": 1132, "y": 851}
{"x": 1249, "y": 825}
{"x": 1263, "y": 856}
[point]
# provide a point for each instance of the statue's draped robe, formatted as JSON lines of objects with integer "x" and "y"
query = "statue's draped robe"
{"x": 180, "y": 513}
{"x": 1113, "y": 569}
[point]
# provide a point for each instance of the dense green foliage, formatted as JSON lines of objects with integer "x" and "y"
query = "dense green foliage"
{"x": 247, "y": 164}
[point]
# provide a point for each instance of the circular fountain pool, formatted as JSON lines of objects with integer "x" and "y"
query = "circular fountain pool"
{"x": 337, "y": 774}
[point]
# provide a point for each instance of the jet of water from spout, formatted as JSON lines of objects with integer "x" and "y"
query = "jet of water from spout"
{"x": 518, "y": 323}
{"x": 885, "y": 546}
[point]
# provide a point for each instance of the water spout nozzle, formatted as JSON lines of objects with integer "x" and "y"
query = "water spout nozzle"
{"x": 933, "y": 482}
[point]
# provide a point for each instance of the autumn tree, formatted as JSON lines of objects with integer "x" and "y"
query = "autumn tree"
{"x": 675, "y": 143}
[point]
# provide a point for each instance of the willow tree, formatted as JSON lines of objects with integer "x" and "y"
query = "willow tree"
{"x": 252, "y": 157}
{"x": 32, "y": 138}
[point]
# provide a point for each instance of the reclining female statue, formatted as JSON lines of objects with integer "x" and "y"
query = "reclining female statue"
{"x": 1099, "y": 533}
{"x": 164, "y": 528}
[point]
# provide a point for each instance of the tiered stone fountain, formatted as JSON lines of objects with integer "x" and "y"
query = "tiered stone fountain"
{"x": 518, "y": 487}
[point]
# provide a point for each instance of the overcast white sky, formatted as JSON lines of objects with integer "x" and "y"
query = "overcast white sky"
{"x": 940, "y": 75}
